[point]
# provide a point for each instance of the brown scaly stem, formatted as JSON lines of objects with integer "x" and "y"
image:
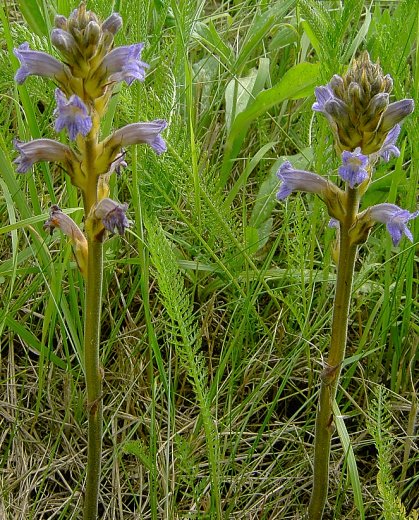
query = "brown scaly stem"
{"x": 331, "y": 372}
{"x": 93, "y": 376}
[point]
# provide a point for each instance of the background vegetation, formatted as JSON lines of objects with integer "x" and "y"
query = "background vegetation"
{"x": 217, "y": 303}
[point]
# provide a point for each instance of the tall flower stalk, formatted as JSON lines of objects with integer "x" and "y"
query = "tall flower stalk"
{"x": 89, "y": 69}
{"x": 365, "y": 127}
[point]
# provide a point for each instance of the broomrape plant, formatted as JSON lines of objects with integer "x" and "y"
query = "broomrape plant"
{"x": 86, "y": 77}
{"x": 365, "y": 127}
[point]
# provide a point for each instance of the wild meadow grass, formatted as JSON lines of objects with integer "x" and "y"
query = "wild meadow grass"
{"x": 217, "y": 302}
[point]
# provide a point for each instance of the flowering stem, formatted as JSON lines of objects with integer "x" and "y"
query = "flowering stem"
{"x": 331, "y": 372}
{"x": 93, "y": 376}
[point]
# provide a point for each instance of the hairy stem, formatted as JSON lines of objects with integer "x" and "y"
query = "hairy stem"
{"x": 93, "y": 376}
{"x": 331, "y": 372}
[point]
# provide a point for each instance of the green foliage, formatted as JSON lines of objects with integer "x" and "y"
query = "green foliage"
{"x": 379, "y": 427}
{"x": 218, "y": 302}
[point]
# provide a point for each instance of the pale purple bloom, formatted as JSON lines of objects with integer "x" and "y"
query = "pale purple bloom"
{"x": 137, "y": 133}
{"x": 299, "y": 180}
{"x": 323, "y": 95}
{"x": 329, "y": 104}
{"x": 353, "y": 169}
{"x": 112, "y": 24}
{"x": 124, "y": 64}
{"x": 389, "y": 147}
{"x": 39, "y": 150}
{"x": 112, "y": 215}
{"x": 394, "y": 218}
{"x": 395, "y": 112}
{"x": 37, "y": 63}
{"x": 71, "y": 114}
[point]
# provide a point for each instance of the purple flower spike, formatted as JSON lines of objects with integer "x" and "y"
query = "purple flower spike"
{"x": 124, "y": 64}
{"x": 299, "y": 180}
{"x": 394, "y": 218}
{"x": 389, "y": 147}
{"x": 39, "y": 150}
{"x": 37, "y": 63}
{"x": 71, "y": 114}
{"x": 137, "y": 133}
{"x": 353, "y": 169}
{"x": 112, "y": 215}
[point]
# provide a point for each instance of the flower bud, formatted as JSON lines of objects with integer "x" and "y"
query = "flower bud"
{"x": 357, "y": 107}
{"x": 112, "y": 24}
{"x": 60, "y": 22}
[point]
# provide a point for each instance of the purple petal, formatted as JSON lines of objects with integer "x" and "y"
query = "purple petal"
{"x": 389, "y": 147}
{"x": 72, "y": 115}
{"x": 298, "y": 180}
{"x": 353, "y": 169}
{"x": 38, "y": 150}
{"x": 323, "y": 95}
{"x": 124, "y": 64}
{"x": 37, "y": 63}
{"x": 137, "y": 133}
{"x": 112, "y": 215}
{"x": 394, "y": 218}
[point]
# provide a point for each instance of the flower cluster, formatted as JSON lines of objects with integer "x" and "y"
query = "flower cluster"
{"x": 86, "y": 76}
{"x": 365, "y": 127}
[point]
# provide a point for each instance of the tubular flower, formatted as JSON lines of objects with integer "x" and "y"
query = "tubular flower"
{"x": 357, "y": 107}
{"x": 393, "y": 217}
{"x": 39, "y": 64}
{"x": 112, "y": 215}
{"x": 299, "y": 180}
{"x": 136, "y": 133}
{"x": 389, "y": 147}
{"x": 124, "y": 64}
{"x": 353, "y": 169}
{"x": 71, "y": 114}
{"x": 40, "y": 150}
{"x": 60, "y": 220}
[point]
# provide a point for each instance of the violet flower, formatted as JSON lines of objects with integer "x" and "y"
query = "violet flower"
{"x": 112, "y": 215}
{"x": 38, "y": 150}
{"x": 394, "y": 218}
{"x": 140, "y": 133}
{"x": 37, "y": 63}
{"x": 353, "y": 169}
{"x": 72, "y": 114}
{"x": 389, "y": 147}
{"x": 299, "y": 180}
{"x": 123, "y": 64}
